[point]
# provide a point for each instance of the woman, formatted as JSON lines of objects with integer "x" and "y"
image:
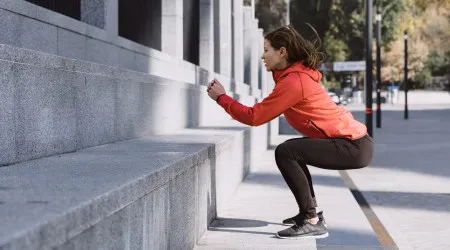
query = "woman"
{"x": 334, "y": 139}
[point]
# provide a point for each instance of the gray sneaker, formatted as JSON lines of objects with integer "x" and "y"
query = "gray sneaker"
{"x": 291, "y": 221}
{"x": 303, "y": 231}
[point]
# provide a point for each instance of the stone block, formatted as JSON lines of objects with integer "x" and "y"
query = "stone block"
{"x": 71, "y": 44}
{"x": 127, "y": 59}
{"x": 142, "y": 62}
{"x": 206, "y": 206}
{"x": 182, "y": 196}
{"x": 132, "y": 113}
{"x": 7, "y": 114}
{"x": 93, "y": 12}
{"x": 27, "y": 33}
{"x": 36, "y": 35}
{"x": 193, "y": 101}
{"x": 102, "y": 52}
{"x": 156, "y": 96}
{"x": 45, "y": 111}
{"x": 96, "y": 111}
{"x": 156, "y": 219}
{"x": 8, "y": 29}
{"x": 110, "y": 233}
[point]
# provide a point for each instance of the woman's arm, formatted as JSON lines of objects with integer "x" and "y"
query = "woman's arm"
{"x": 286, "y": 94}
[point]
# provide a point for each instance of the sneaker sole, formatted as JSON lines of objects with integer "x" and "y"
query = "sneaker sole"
{"x": 320, "y": 236}
{"x": 291, "y": 224}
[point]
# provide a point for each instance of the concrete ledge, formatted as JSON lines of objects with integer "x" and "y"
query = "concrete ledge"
{"x": 149, "y": 193}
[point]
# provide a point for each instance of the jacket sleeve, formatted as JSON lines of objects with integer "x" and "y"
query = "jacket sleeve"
{"x": 286, "y": 94}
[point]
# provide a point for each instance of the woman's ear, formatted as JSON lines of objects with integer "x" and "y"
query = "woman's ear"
{"x": 283, "y": 52}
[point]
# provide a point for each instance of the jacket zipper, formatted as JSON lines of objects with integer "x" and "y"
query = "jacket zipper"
{"x": 312, "y": 123}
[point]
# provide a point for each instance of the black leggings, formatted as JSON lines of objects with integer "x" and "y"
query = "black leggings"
{"x": 293, "y": 155}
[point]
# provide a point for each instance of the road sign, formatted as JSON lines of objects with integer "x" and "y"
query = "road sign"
{"x": 349, "y": 66}
{"x": 325, "y": 67}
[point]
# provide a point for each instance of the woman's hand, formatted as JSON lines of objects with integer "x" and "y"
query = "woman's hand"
{"x": 215, "y": 89}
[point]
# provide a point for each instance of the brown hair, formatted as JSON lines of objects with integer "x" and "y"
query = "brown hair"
{"x": 298, "y": 48}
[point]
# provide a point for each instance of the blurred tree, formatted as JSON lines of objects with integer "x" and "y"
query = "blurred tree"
{"x": 335, "y": 50}
{"x": 341, "y": 24}
{"x": 270, "y": 13}
{"x": 437, "y": 63}
{"x": 314, "y": 12}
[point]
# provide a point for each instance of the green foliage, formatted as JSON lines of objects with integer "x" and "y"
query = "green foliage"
{"x": 331, "y": 82}
{"x": 335, "y": 50}
{"x": 423, "y": 78}
{"x": 437, "y": 63}
{"x": 391, "y": 11}
{"x": 344, "y": 21}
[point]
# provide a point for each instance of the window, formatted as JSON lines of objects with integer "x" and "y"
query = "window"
{"x": 69, "y": 8}
{"x": 140, "y": 21}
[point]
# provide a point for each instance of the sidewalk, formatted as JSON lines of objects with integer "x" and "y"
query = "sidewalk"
{"x": 263, "y": 200}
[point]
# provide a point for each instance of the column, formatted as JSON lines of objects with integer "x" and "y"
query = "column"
{"x": 247, "y": 24}
{"x": 255, "y": 56}
{"x": 207, "y": 35}
{"x": 238, "y": 41}
{"x": 172, "y": 28}
{"x": 222, "y": 37}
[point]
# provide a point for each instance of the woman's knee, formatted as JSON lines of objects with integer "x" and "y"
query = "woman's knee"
{"x": 281, "y": 152}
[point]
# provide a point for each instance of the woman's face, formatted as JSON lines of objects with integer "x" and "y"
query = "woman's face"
{"x": 273, "y": 59}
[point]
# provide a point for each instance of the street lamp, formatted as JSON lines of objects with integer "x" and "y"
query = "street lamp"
{"x": 406, "y": 75}
{"x": 378, "y": 64}
{"x": 369, "y": 121}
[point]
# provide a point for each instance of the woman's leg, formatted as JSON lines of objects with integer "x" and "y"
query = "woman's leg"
{"x": 292, "y": 157}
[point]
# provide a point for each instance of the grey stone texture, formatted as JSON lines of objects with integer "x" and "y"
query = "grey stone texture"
{"x": 7, "y": 117}
{"x": 101, "y": 52}
{"x": 27, "y": 33}
{"x": 133, "y": 193}
{"x": 66, "y": 104}
{"x": 95, "y": 105}
{"x": 45, "y": 112}
{"x": 93, "y": 12}
{"x": 71, "y": 44}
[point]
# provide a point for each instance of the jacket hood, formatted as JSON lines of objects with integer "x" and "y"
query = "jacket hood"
{"x": 299, "y": 68}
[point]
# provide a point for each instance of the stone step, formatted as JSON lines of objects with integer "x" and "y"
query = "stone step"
{"x": 148, "y": 193}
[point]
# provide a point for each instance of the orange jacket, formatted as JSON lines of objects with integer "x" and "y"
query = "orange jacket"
{"x": 306, "y": 105}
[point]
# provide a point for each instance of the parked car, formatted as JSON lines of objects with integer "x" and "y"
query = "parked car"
{"x": 334, "y": 97}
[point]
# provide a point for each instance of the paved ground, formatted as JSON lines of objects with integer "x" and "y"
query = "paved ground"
{"x": 407, "y": 187}
{"x": 408, "y": 183}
